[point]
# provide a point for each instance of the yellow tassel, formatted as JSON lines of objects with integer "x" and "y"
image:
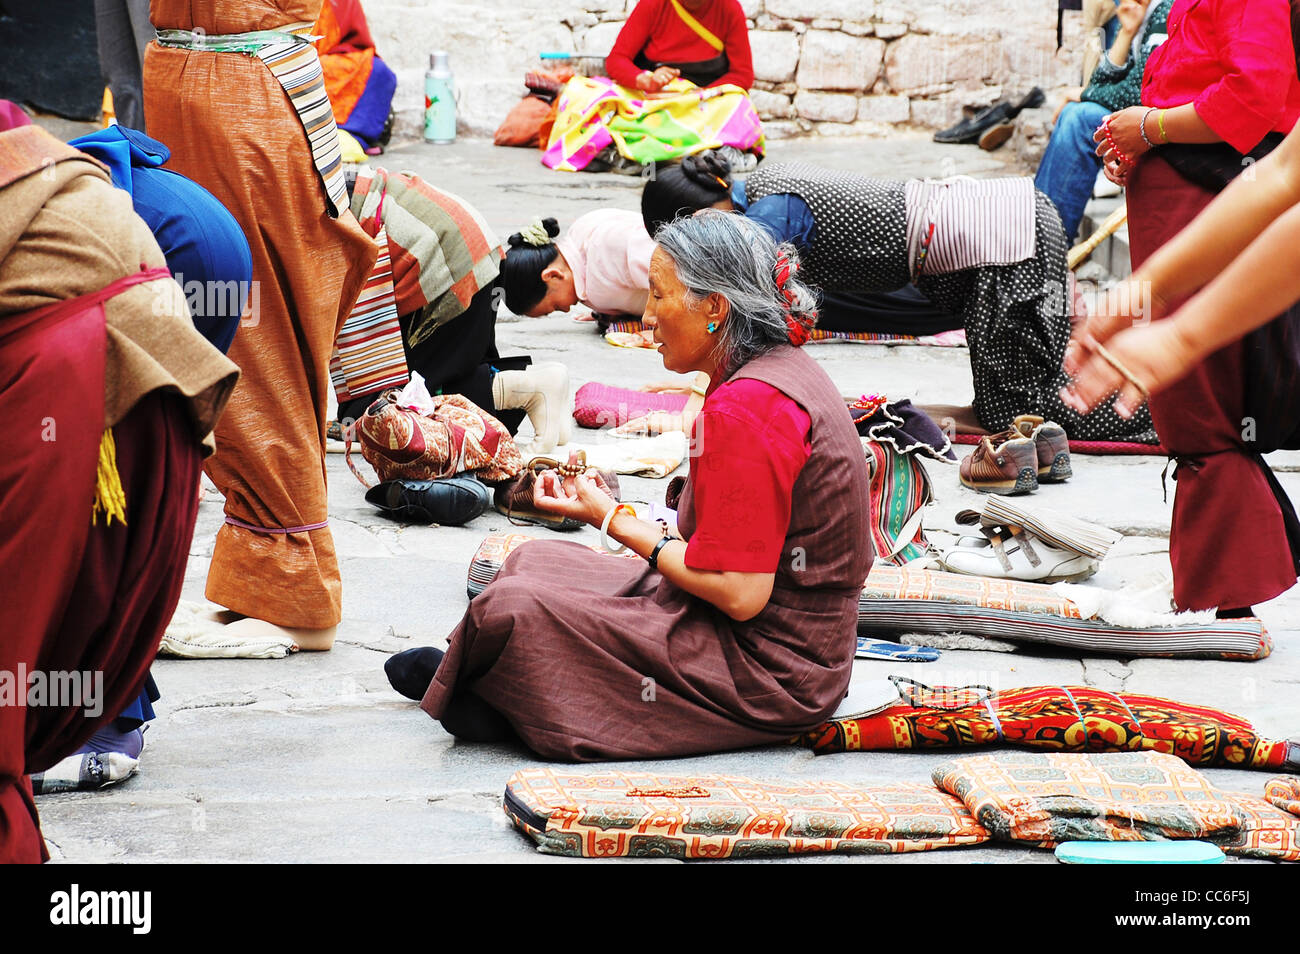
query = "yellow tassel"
{"x": 109, "y": 496}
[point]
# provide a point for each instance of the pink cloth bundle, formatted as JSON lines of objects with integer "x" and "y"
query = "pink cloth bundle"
{"x": 602, "y": 405}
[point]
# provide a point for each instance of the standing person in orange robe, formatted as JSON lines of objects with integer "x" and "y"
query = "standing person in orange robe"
{"x": 233, "y": 128}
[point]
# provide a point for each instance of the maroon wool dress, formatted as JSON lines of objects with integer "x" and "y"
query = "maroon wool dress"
{"x": 595, "y": 658}
{"x": 1228, "y": 541}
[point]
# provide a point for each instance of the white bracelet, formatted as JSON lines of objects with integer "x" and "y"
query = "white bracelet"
{"x": 604, "y": 531}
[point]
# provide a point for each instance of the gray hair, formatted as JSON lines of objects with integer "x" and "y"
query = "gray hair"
{"x": 724, "y": 253}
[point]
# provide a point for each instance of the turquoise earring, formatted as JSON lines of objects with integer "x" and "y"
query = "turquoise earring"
{"x": 711, "y": 327}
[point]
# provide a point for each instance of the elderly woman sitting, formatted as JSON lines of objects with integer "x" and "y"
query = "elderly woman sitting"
{"x": 738, "y": 632}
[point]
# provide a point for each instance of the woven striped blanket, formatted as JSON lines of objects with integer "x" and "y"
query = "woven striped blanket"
{"x": 899, "y": 600}
{"x": 625, "y": 334}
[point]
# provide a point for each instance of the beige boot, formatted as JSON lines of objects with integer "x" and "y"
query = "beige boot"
{"x": 542, "y": 390}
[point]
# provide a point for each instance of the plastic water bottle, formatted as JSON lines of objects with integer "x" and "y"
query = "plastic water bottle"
{"x": 439, "y": 101}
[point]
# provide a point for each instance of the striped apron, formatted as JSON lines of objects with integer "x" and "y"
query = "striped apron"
{"x": 292, "y": 60}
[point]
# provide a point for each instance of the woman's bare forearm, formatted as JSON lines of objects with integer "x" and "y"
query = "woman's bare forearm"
{"x": 1119, "y": 50}
{"x": 1259, "y": 284}
{"x": 1181, "y": 124}
{"x": 741, "y": 596}
{"x": 1227, "y": 226}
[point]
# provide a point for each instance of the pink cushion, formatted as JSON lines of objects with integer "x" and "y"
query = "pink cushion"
{"x": 1100, "y": 448}
{"x": 601, "y": 405}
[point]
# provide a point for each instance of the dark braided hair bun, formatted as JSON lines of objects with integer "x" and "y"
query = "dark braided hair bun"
{"x": 706, "y": 169}
{"x": 517, "y": 240}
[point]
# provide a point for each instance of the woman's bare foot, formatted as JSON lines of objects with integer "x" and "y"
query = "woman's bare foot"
{"x": 317, "y": 640}
{"x": 954, "y": 418}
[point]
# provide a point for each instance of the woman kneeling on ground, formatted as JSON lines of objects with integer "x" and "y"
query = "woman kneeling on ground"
{"x": 992, "y": 252}
{"x": 602, "y": 261}
{"x": 738, "y": 632}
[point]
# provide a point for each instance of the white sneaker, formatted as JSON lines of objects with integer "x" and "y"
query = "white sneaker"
{"x": 1103, "y": 188}
{"x": 1018, "y": 558}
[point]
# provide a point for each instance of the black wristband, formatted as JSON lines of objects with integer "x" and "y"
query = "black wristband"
{"x": 654, "y": 554}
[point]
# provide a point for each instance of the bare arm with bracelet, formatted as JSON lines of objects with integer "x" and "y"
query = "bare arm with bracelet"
{"x": 1240, "y": 258}
{"x": 741, "y": 596}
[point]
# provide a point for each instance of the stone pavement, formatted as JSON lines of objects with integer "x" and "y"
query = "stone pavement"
{"x": 315, "y": 758}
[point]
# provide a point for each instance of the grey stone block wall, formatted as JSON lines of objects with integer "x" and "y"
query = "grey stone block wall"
{"x": 822, "y": 66}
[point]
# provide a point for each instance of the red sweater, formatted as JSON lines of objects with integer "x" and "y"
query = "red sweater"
{"x": 1234, "y": 61}
{"x": 654, "y": 28}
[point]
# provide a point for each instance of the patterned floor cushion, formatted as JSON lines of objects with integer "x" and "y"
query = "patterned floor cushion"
{"x": 634, "y": 815}
{"x": 494, "y": 549}
{"x": 1060, "y": 718}
{"x": 1284, "y": 793}
{"x": 1269, "y": 832}
{"x": 1045, "y": 799}
{"x": 903, "y": 601}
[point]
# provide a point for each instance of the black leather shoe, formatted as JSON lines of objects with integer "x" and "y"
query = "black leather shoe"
{"x": 971, "y": 129}
{"x": 1032, "y": 100}
{"x": 410, "y": 672}
{"x": 451, "y": 501}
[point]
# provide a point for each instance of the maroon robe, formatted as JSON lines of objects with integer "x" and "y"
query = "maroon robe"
{"x": 593, "y": 658}
{"x": 94, "y": 335}
{"x": 1228, "y": 542}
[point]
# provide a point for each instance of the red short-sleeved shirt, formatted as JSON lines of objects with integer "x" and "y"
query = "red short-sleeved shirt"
{"x": 750, "y": 443}
{"x": 1233, "y": 60}
{"x": 655, "y": 29}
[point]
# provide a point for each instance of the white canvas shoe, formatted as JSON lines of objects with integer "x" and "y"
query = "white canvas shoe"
{"x": 1017, "y": 558}
{"x": 1103, "y": 188}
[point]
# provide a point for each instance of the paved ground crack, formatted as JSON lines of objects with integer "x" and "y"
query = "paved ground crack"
{"x": 1109, "y": 674}
{"x": 218, "y": 704}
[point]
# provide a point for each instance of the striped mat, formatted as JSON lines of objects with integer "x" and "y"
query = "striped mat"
{"x": 945, "y": 339}
{"x": 897, "y": 601}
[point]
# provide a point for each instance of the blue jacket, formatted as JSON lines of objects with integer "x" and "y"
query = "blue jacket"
{"x": 203, "y": 243}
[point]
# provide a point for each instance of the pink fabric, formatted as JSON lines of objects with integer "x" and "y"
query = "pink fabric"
{"x": 609, "y": 252}
{"x": 1234, "y": 61}
{"x": 749, "y": 444}
{"x": 1100, "y": 448}
{"x": 602, "y": 405}
{"x": 12, "y": 116}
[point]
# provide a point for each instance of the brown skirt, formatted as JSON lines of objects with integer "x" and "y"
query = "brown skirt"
{"x": 595, "y": 658}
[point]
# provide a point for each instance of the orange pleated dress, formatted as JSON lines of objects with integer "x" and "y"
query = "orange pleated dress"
{"x": 232, "y": 128}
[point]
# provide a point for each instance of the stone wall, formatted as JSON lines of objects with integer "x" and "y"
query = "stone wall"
{"x": 830, "y": 67}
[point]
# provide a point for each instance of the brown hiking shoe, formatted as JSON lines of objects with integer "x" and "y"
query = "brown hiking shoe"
{"x": 1008, "y": 468}
{"x": 1052, "y": 445}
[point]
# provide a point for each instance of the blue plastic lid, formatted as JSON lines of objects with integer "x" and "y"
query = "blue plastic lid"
{"x": 1139, "y": 853}
{"x": 556, "y": 56}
